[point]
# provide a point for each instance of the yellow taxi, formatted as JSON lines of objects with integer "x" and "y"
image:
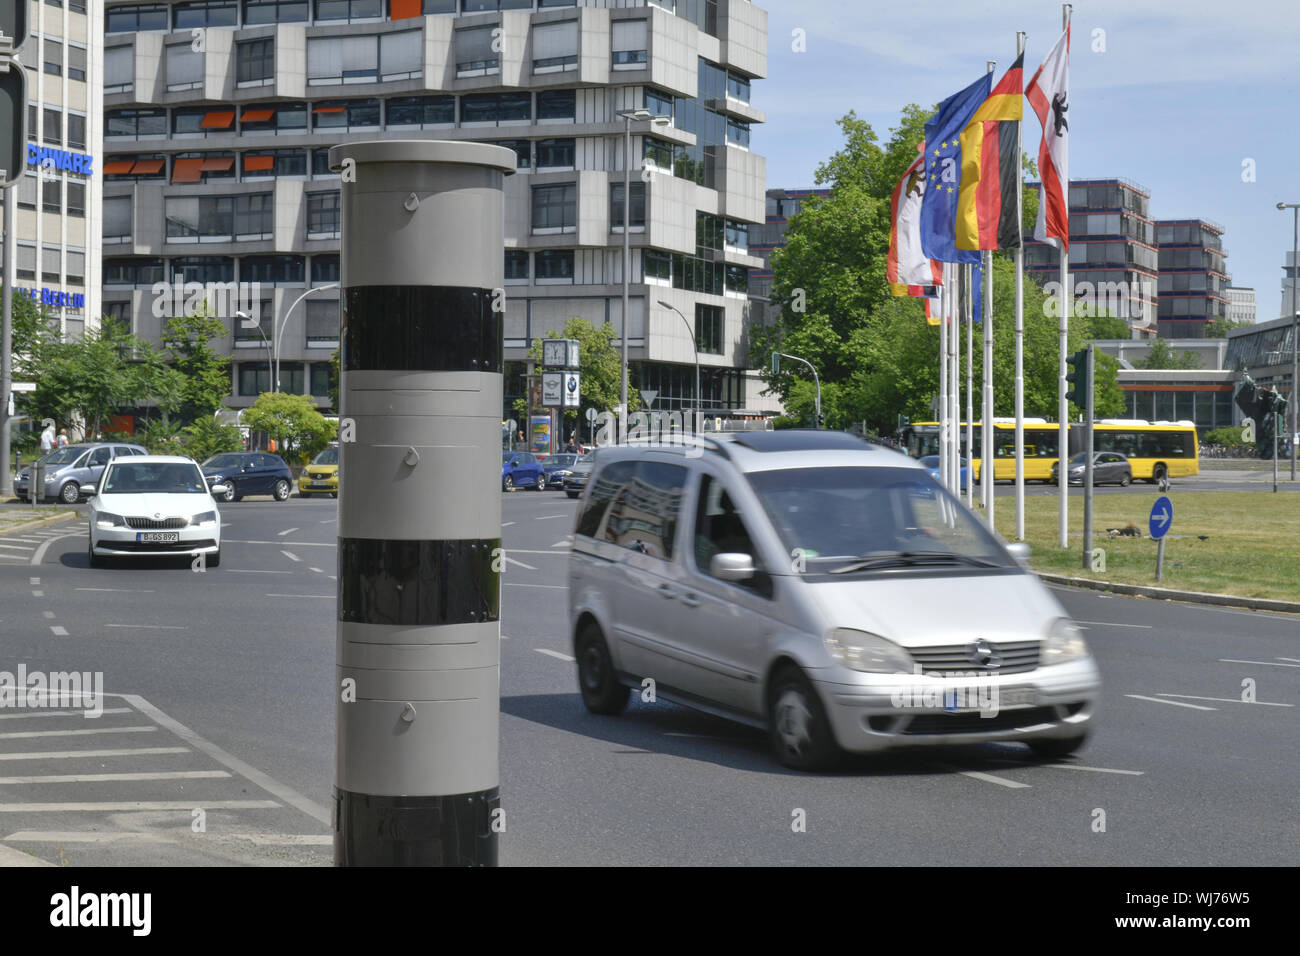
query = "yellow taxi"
{"x": 321, "y": 477}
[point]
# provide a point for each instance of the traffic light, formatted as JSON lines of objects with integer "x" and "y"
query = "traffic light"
{"x": 1081, "y": 392}
{"x": 776, "y": 363}
{"x": 821, "y": 420}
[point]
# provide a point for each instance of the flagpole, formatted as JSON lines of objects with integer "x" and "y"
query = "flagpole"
{"x": 954, "y": 393}
{"x": 945, "y": 294}
{"x": 970, "y": 399}
{"x": 988, "y": 474}
{"x": 1063, "y": 406}
{"x": 1020, "y": 331}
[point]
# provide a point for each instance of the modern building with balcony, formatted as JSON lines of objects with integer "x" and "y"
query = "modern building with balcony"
{"x": 765, "y": 239}
{"x": 219, "y": 115}
{"x": 1113, "y": 251}
{"x": 57, "y": 217}
{"x": 1192, "y": 276}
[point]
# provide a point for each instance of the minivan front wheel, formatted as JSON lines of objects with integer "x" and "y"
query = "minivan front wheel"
{"x": 601, "y": 691}
{"x": 800, "y": 731}
{"x": 70, "y": 493}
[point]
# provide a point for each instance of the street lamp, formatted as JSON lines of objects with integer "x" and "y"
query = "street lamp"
{"x": 245, "y": 317}
{"x": 285, "y": 324}
{"x": 1295, "y": 327}
{"x": 628, "y": 116}
{"x": 699, "y": 398}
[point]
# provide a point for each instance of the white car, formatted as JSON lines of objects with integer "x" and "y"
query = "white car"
{"x": 153, "y": 506}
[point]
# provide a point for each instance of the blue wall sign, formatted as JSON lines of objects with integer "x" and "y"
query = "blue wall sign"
{"x": 60, "y": 159}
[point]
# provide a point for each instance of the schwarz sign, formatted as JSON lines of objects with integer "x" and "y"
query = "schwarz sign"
{"x": 50, "y": 158}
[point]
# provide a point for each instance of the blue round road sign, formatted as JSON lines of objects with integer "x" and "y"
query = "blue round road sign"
{"x": 1162, "y": 516}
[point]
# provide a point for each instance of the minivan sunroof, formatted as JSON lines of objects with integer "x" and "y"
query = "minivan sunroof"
{"x": 799, "y": 439}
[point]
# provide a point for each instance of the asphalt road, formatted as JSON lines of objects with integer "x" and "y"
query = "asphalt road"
{"x": 226, "y": 678}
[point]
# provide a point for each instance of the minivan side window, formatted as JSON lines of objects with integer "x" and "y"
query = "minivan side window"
{"x": 608, "y": 482}
{"x": 99, "y": 456}
{"x": 719, "y": 529}
{"x": 643, "y": 513}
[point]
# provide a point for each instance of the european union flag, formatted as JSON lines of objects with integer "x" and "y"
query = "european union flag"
{"x": 943, "y": 172}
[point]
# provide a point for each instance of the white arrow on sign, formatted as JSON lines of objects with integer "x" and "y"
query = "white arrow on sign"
{"x": 1162, "y": 517}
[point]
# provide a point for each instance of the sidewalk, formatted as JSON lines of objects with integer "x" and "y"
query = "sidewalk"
{"x": 17, "y": 517}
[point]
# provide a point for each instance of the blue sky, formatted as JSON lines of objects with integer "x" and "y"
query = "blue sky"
{"x": 1180, "y": 97}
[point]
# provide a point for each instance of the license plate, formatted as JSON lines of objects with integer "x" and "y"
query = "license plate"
{"x": 158, "y": 537}
{"x": 967, "y": 700}
{"x": 320, "y": 484}
{"x": 1017, "y": 697}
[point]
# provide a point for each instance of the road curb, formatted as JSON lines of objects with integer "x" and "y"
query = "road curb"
{"x": 11, "y": 857}
{"x": 1169, "y": 594}
{"x": 40, "y": 522}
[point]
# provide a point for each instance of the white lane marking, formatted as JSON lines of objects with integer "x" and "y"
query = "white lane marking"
{"x": 1075, "y": 766}
{"x": 287, "y": 531}
{"x": 111, "y": 777}
{"x": 120, "y": 590}
{"x": 285, "y": 839}
{"x": 290, "y": 555}
{"x": 331, "y": 596}
{"x": 1145, "y": 627}
{"x": 1231, "y": 660}
{"x": 549, "y": 587}
{"x": 19, "y": 537}
{"x": 1176, "y": 703}
{"x": 48, "y": 615}
{"x": 556, "y": 654}
{"x": 33, "y": 580}
{"x": 76, "y": 733}
{"x": 296, "y": 544}
{"x": 329, "y": 520}
{"x": 75, "y": 836}
{"x": 567, "y": 542}
{"x": 506, "y": 524}
{"x": 63, "y": 713}
{"x": 121, "y": 806}
{"x": 1230, "y": 700}
{"x": 39, "y": 556}
{"x": 521, "y": 564}
{"x": 252, "y": 571}
{"x": 153, "y": 627}
{"x": 18, "y": 547}
{"x": 524, "y": 551}
{"x": 76, "y": 754}
{"x": 1294, "y": 660}
{"x": 273, "y": 787}
{"x": 37, "y": 592}
{"x": 987, "y": 777}
{"x": 549, "y": 517}
{"x": 12, "y": 557}
{"x": 59, "y": 630}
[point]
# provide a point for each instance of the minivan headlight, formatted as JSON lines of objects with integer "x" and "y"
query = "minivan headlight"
{"x": 863, "y": 651}
{"x": 1064, "y": 643}
{"x": 106, "y": 519}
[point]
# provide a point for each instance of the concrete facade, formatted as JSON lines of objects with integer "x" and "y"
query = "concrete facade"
{"x": 1241, "y": 304}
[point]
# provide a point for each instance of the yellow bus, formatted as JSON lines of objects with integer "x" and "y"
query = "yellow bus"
{"x": 1154, "y": 449}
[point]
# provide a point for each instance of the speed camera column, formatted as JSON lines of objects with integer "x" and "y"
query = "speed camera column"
{"x": 416, "y": 781}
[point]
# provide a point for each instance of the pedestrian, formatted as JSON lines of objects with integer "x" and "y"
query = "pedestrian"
{"x": 571, "y": 448}
{"x": 63, "y": 438}
{"x": 47, "y": 439}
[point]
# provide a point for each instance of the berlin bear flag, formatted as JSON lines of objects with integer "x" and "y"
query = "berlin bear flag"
{"x": 907, "y": 270}
{"x": 1049, "y": 97}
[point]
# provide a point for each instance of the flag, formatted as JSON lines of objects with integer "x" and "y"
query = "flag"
{"x": 977, "y": 292}
{"x": 1049, "y": 97}
{"x": 987, "y": 217}
{"x": 943, "y": 172}
{"x": 405, "y": 9}
{"x": 907, "y": 270}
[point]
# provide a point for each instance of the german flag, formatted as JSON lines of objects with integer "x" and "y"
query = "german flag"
{"x": 987, "y": 217}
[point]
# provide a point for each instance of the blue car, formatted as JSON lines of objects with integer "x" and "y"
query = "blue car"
{"x": 931, "y": 463}
{"x": 521, "y": 469}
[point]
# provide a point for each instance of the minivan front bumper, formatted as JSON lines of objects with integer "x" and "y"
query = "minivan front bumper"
{"x": 887, "y": 711}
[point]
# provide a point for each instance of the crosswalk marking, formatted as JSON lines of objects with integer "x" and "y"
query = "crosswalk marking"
{"x": 114, "y": 777}
{"x": 77, "y": 754}
{"x": 77, "y": 733}
{"x": 64, "y": 713}
{"x": 124, "y": 806}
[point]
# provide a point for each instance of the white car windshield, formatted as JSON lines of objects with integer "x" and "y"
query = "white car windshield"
{"x": 153, "y": 478}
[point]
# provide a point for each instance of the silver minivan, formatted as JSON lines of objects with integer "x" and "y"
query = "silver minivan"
{"x": 70, "y": 467}
{"x": 826, "y": 590}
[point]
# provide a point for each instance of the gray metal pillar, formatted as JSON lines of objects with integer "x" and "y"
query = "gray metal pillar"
{"x": 422, "y": 276}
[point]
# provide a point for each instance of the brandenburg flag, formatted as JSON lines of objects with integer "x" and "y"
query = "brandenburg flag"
{"x": 987, "y": 217}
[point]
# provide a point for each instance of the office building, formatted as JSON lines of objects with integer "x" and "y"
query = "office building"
{"x": 764, "y": 239}
{"x": 1192, "y": 276}
{"x": 1241, "y": 304}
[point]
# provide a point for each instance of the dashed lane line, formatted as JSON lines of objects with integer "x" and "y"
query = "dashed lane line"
{"x": 27, "y": 734}
{"x": 290, "y": 555}
{"x": 1229, "y": 660}
{"x": 1078, "y": 766}
{"x": 1176, "y": 703}
{"x": 1230, "y": 700}
{"x": 120, "y": 590}
{"x": 58, "y": 630}
{"x": 286, "y": 531}
{"x": 986, "y": 777}
{"x": 63, "y": 713}
{"x": 555, "y": 654}
{"x": 548, "y": 587}
{"x": 520, "y": 563}
{"x": 112, "y": 752}
{"x": 124, "y": 806}
{"x": 116, "y": 777}
{"x": 152, "y": 627}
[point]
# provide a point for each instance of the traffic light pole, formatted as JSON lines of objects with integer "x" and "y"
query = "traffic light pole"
{"x": 1087, "y": 467}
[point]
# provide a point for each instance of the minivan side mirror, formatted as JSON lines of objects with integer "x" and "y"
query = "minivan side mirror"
{"x": 732, "y": 567}
{"x": 1020, "y": 551}
{"x": 89, "y": 491}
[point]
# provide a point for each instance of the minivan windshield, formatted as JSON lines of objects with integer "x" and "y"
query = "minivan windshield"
{"x": 850, "y": 519}
{"x": 62, "y": 456}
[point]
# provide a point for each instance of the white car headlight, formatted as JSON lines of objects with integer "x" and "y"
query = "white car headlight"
{"x": 105, "y": 519}
{"x": 1064, "y": 643}
{"x": 206, "y": 518}
{"x": 863, "y": 651}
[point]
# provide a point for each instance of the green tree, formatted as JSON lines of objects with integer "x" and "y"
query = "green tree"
{"x": 600, "y": 363}
{"x": 1109, "y": 327}
{"x": 1220, "y": 327}
{"x": 206, "y": 372}
{"x": 1231, "y": 435}
{"x": 205, "y": 438}
{"x": 334, "y": 381}
{"x": 1161, "y": 356}
{"x": 298, "y": 428}
{"x": 92, "y": 377}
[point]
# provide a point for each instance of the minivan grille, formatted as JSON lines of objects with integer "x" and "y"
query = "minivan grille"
{"x": 1012, "y": 657}
{"x": 156, "y": 524}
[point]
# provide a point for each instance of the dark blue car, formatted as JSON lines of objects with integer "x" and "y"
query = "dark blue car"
{"x": 557, "y": 467}
{"x": 521, "y": 469}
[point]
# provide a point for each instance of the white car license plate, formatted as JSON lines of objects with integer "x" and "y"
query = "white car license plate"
{"x": 320, "y": 484}
{"x": 1017, "y": 697}
{"x": 158, "y": 537}
{"x": 967, "y": 700}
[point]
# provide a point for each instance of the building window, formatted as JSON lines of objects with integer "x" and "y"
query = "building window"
{"x": 320, "y": 372}
{"x": 33, "y": 123}
{"x": 119, "y": 67}
{"x": 26, "y": 191}
{"x": 324, "y": 268}
{"x": 628, "y": 44}
{"x": 202, "y": 167}
{"x": 333, "y": 60}
{"x": 51, "y": 195}
{"x": 184, "y": 67}
{"x": 517, "y": 264}
{"x": 274, "y": 11}
{"x": 486, "y": 6}
{"x": 320, "y": 162}
{"x": 657, "y": 265}
{"x": 522, "y": 149}
{"x": 135, "y": 123}
{"x": 658, "y": 102}
{"x": 76, "y": 131}
{"x": 555, "y": 208}
{"x": 254, "y": 216}
{"x": 52, "y": 128}
{"x": 432, "y": 6}
{"x": 275, "y": 162}
{"x": 53, "y": 57}
{"x": 50, "y": 263}
{"x": 478, "y": 52}
{"x": 133, "y": 271}
{"x": 556, "y": 105}
{"x": 76, "y": 199}
{"x": 345, "y": 114}
{"x": 420, "y": 111}
{"x": 75, "y": 267}
{"x": 76, "y": 62}
{"x": 737, "y": 279}
{"x": 323, "y": 323}
{"x": 709, "y": 231}
{"x": 554, "y": 264}
{"x": 349, "y": 10}
{"x": 737, "y": 236}
{"x": 737, "y": 132}
{"x": 555, "y": 153}
{"x": 134, "y": 169}
{"x": 737, "y": 87}
{"x": 496, "y": 107}
{"x": 219, "y": 218}
{"x": 636, "y": 204}
{"x": 205, "y": 13}
{"x": 117, "y": 219}
{"x": 273, "y": 270}
{"x": 26, "y": 260}
{"x": 555, "y": 47}
{"x": 203, "y": 269}
{"x": 273, "y": 118}
{"x": 401, "y": 55}
{"x": 255, "y": 61}
{"x": 710, "y": 320}
{"x": 136, "y": 17}
{"x": 323, "y": 216}
{"x": 254, "y": 378}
